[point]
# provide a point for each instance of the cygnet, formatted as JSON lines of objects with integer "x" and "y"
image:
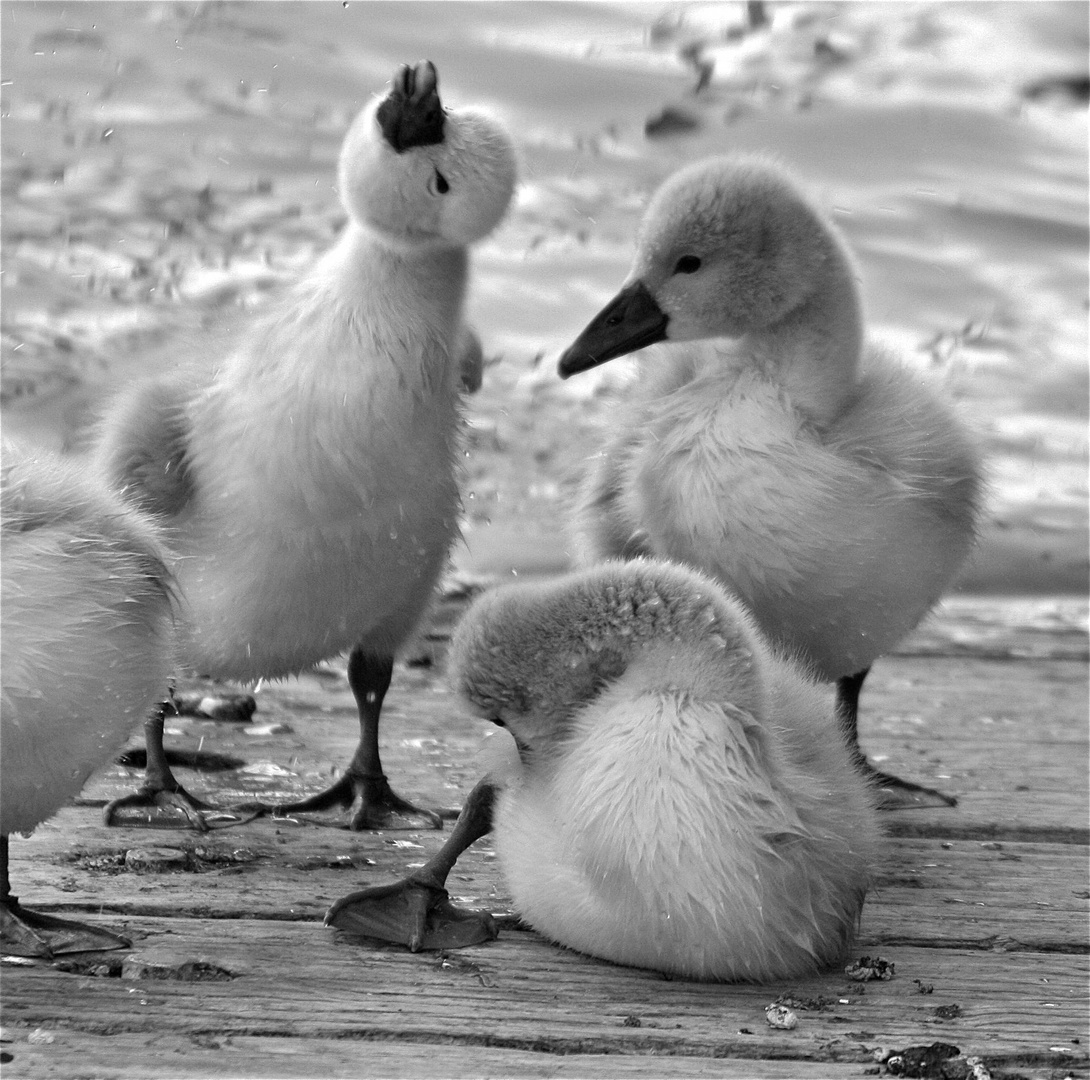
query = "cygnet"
{"x": 822, "y": 482}
{"x": 308, "y": 479}
{"x": 85, "y": 652}
{"x": 678, "y": 795}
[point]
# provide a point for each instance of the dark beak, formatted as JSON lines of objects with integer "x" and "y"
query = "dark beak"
{"x": 412, "y": 114}
{"x": 628, "y": 322}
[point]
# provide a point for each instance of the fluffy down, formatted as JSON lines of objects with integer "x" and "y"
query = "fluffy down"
{"x": 85, "y": 650}
{"x": 827, "y": 485}
{"x": 681, "y": 797}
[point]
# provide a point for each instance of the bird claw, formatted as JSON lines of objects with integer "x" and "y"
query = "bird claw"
{"x": 29, "y": 933}
{"x": 411, "y": 913}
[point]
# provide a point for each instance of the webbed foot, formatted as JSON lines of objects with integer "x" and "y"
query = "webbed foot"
{"x": 376, "y": 805}
{"x": 417, "y": 911}
{"x": 28, "y": 933}
{"x": 893, "y": 792}
{"x": 174, "y": 801}
{"x": 897, "y": 794}
{"x": 161, "y": 791}
{"x": 412, "y": 913}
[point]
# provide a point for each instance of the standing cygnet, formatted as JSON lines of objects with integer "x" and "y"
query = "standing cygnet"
{"x": 308, "y": 483}
{"x": 681, "y": 797}
{"x": 85, "y": 652}
{"x": 823, "y": 483}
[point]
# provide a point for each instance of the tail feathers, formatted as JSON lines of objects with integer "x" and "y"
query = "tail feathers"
{"x": 142, "y": 449}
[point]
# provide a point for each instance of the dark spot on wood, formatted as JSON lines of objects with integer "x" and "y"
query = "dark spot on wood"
{"x": 671, "y": 121}
{"x": 91, "y": 966}
{"x": 135, "y": 969}
{"x": 1074, "y": 87}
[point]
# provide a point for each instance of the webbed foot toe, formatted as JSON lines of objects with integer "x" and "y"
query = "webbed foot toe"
{"x": 173, "y": 806}
{"x": 897, "y": 794}
{"x": 29, "y": 933}
{"x": 375, "y": 805}
{"x": 411, "y": 913}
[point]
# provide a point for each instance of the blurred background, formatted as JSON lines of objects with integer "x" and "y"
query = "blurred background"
{"x": 168, "y": 166}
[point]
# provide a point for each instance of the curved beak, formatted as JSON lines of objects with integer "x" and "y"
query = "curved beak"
{"x": 631, "y": 320}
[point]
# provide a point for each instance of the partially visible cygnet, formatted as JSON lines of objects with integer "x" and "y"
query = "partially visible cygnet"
{"x": 822, "y": 482}
{"x": 677, "y": 796}
{"x": 85, "y": 652}
{"x": 683, "y": 799}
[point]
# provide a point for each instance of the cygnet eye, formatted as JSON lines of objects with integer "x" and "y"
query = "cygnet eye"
{"x": 687, "y": 264}
{"x": 438, "y": 185}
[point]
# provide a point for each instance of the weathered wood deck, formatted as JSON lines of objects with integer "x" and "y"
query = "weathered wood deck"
{"x": 982, "y": 909}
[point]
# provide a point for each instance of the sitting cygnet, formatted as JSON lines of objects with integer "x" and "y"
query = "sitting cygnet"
{"x": 679, "y": 796}
{"x": 825, "y": 484}
{"x": 85, "y": 653}
{"x": 308, "y": 480}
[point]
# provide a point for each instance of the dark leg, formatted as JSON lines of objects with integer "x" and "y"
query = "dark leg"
{"x": 894, "y": 793}
{"x": 161, "y": 789}
{"x": 26, "y": 933}
{"x": 364, "y": 781}
{"x": 417, "y": 910}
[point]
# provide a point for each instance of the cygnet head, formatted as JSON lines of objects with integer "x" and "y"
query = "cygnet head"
{"x": 727, "y": 247}
{"x": 527, "y": 656}
{"x": 421, "y": 176}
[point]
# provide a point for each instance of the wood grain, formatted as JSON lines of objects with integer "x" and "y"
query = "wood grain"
{"x": 981, "y": 908}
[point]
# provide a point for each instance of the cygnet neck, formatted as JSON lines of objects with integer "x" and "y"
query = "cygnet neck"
{"x": 815, "y": 350}
{"x": 431, "y": 277}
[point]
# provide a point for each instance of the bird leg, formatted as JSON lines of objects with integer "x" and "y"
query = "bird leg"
{"x": 894, "y": 793}
{"x": 364, "y": 781}
{"x": 161, "y": 789}
{"x": 417, "y": 911}
{"x": 28, "y": 933}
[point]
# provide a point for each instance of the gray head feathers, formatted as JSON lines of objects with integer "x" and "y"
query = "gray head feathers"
{"x": 546, "y": 648}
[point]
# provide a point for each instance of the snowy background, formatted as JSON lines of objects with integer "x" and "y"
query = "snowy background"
{"x": 168, "y": 166}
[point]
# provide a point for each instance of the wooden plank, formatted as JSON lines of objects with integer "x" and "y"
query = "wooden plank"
{"x": 1003, "y": 627}
{"x": 1010, "y": 738}
{"x": 985, "y": 904}
{"x": 976, "y": 894}
{"x": 966, "y": 893}
{"x": 124, "y": 1056}
{"x": 300, "y": 980}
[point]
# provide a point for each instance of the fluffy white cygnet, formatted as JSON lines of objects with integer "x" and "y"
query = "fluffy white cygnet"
{"x": 681, "y": 797}
{"x": 825, "y": 484}
{"x": 308, "y": 478}
{"x": 85, "y": 653}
